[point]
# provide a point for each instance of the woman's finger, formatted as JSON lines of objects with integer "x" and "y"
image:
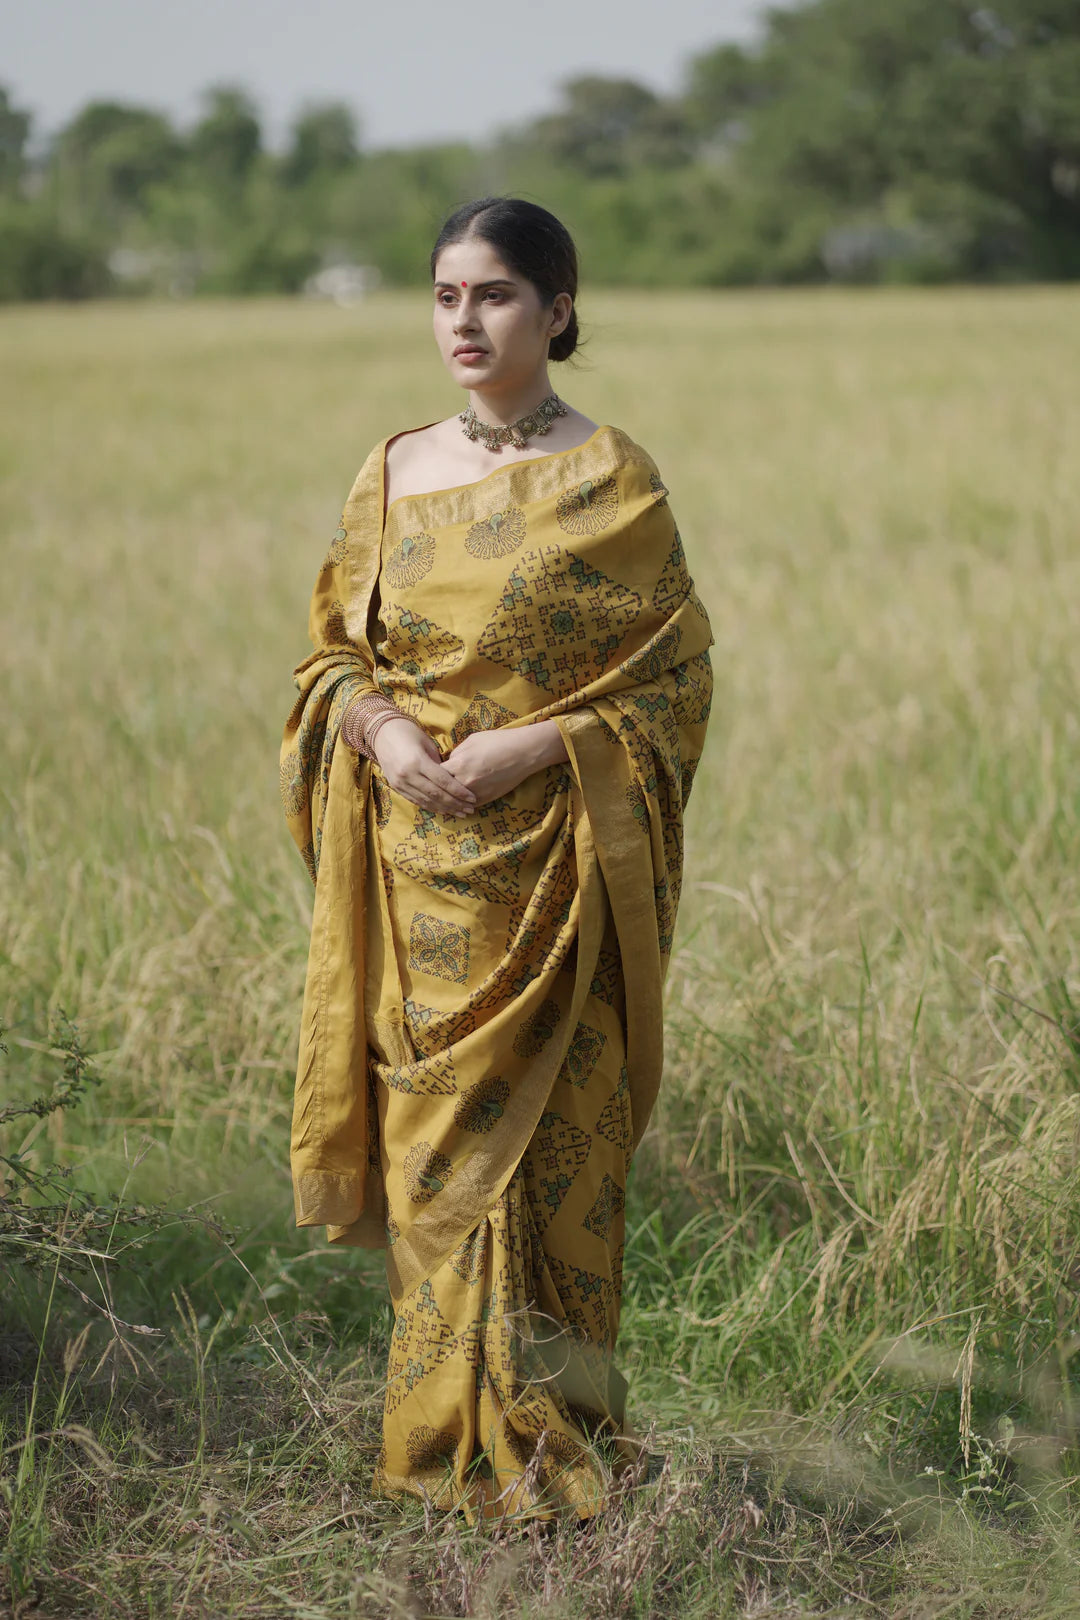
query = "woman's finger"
{"x": 429, "y": 795}
{"x": 448, "y": 785}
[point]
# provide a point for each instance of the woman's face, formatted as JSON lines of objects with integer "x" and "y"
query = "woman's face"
{"x": 491, "y": 326}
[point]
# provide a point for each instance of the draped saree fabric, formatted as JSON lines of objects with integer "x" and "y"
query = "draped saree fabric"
{"x": 481, "y": 1034}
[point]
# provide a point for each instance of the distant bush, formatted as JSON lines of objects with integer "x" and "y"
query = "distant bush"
{"x": 39, "y": 259}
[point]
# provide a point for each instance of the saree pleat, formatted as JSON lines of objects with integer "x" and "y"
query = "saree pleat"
{"x": 481, "y": 1039}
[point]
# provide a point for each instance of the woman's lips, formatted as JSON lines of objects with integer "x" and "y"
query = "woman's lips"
{"x": 469, "y": 356}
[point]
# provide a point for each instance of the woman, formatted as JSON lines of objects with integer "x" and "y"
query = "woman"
{"x": 485, "y": 771}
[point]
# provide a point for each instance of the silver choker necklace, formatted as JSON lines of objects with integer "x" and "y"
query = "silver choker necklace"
{"x": 537, "y": 423}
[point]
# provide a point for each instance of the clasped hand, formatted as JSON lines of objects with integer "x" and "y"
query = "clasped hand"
{"x": 482, "y": 768}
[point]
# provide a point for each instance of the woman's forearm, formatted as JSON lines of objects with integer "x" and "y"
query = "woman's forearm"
{"x": 551, "y": 750}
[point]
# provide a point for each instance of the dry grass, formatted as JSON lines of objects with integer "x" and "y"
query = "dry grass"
{"x": 851, "y": 1303}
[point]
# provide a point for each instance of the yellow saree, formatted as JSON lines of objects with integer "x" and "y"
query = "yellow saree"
{"x": 482, "y": 1028}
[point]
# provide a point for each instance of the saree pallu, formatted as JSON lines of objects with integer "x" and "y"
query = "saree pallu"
{"x": 482, "y": 1029}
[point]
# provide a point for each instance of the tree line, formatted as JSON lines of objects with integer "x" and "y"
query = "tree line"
{"x": 862, "y": 140}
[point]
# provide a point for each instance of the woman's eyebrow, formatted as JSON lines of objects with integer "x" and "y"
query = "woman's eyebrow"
{"x": 479, "y": 286}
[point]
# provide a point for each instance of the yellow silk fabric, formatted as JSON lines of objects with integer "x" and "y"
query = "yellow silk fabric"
{"x": 481, "y": 1036}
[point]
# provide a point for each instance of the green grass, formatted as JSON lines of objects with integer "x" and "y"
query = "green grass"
{"x": 852, "y": 1281}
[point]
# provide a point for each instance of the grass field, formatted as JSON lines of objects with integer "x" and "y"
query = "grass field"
{"x": 851, "y": 1307}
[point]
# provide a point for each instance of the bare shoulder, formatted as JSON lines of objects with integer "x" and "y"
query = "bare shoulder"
{"x": 421, "y": 459}
{"x": 566, "y": 432}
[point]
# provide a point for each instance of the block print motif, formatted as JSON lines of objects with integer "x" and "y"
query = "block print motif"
{"x": 421, "y": 1325}
{"x": 610, "y": 1201}
{"x": 496, "y": 536}
{"x": 293, "y": 788}
{"x": 555, "y": 1452}
{"x": 614, "y": 1122}
{"x": 429, "y": 1077}
{"x": 588, "y": 1296}
{"x": 617, "y": 1260}
{"x": 459, "y": 860}
{"x": 639, "y": 804}
{"x": 431, "y": 1450}
{"x": 513, "y": 926}
{"x": 649, "y": 729}
{"x": 607, "y": 980}
{"x": 589, "y": 507}
{"x": 582, "y": 1055}
{"x": 689, "y": 771}
{"x": 467, "y": 1260}
{"x": 336, "y": 632}
{"x": 426, "y": 1171}
{"x": 559, "y": 1144}
{"x": 432, "y": 1031}
{"x": 416, "y": 646}
{"x": 657, "y": 655}
{"x": 659, "y": 489}
{"x": 542, "y": 941}
{"x": 538, "y": 1029}
{"x": 558, "y": 622}
{"x": 673, "y": 850}
{"x": 665, "y": 916}
{"x": 482, "y": 1106}
{"x": 439, "y": 948}
{"x": 553, "y": 1189}
{"x": 339, "y": 546}
{"x": 381, "y": 795}
{"x": 483, "y": 714}
{"x": 674, "y": 584}
{"x": 409, "y": 561}
{"x": 395, "y": 684}
{"x": 693, "y": 690}
{"x": 559, "y": 1149}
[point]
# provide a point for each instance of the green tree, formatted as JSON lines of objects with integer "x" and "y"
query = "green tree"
{"x": 227, "y": 140}
{"x": 107, "y": 159}
{"x": 965, "y": 115}
{"x": 609, "y": 126}
{"x": 39, "y": 258}
{"x": 14, "y": 133}
{"x": 723, "y": 87}
{"x": 324, "y": 141}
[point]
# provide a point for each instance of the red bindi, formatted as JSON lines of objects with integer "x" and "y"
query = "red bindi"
{"x": 464, "y": 283}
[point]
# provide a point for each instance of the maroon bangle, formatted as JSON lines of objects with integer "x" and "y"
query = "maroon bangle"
{"x": 364, "y": 717}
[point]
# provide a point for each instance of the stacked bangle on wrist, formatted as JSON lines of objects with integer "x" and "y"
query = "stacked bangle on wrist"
{"x": 364, "y": 717}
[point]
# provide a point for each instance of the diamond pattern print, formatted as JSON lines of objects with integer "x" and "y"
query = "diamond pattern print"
{"x": 416, "y": 646}
{"x": 430, "y": 1077}
{"x": 674, "y": 584}
{"x": 439, "y": 948}
{"x": 560, "y": 1145}
{"x": 582, "y": 1055}
{"x": 558, "y": 622}
{"x": 614, "y": 1122}
{"x": 610, "y": 1201}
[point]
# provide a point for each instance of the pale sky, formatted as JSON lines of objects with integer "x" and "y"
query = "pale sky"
{"x": 414, "y": 70}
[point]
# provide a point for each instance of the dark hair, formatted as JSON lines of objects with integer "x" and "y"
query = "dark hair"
{"x": 529, "y": 241}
